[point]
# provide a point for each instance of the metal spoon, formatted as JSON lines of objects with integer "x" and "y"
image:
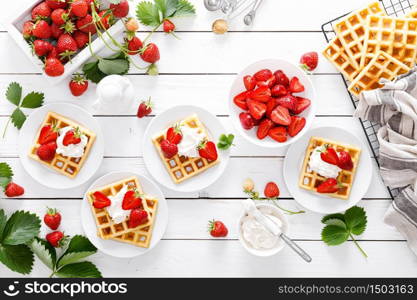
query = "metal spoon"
{"x": 213, "y": 5}
{"x": 250, "y": 16}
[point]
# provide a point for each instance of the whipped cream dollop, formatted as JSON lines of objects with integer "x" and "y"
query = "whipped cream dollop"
{"x": 72, "y": 150}
{"x": 257, "y": 236}
{"x": 190, "y": 140}
{"x": 320, "y": 166}
{"x": 115, "y": 94}
{"x": 115, "y": 210}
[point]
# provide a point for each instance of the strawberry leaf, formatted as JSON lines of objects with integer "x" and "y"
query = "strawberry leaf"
{"x": 83, "y": 269}
{"x": 18, "y": 118}
{"x": 33, "y": 100}
{"x": 21, "y": 228}
{"x": 6, "y": 174}
{"x": 184, "y": 8}
{"x": 335, "y": 222}
{"x": 92, "y": 72}
{"x": 333, "y": 216}
{"x": 14, "y": 93}
{"x": 44, "y": 251}
{"x": 334, "y": 235}
{"x": 79, "y": 247}
{"x": 356, "y": 220}
{"x": 166, "y": 7}
{"x": 3, "y": 220}
{"x": 18, "y": 258}
{"x": 148, "y": 13}
{"x": 115, "y": 66}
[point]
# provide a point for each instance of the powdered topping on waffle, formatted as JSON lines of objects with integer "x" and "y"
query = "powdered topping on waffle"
{"x": 322, "y": 168}
{"x": 71, "y": 150}
{"x": 115, "y": 210}
{"x": 191, "y": 137}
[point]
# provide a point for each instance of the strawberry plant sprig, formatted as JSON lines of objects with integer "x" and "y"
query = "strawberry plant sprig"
{"x": 31, "y": 100}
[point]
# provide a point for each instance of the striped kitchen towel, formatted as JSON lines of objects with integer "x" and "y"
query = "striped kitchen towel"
{"x": 394, "y": 108}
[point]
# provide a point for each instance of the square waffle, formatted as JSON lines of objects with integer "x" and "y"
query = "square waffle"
{"x": 351, "y": 30}
{"x": 181, "y": 168}
{"x": 68, "y": 166}
{"x": 395, "y": 36}
{"x": 382, "y": 65}
{"x": 310, "y": 180}
{"x": 337, "y": 55}
{"x": 142, "y": 235}
{"x": 106, "y": 228}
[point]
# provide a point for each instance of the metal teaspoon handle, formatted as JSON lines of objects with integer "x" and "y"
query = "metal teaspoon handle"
{"x": 296, "y": 248}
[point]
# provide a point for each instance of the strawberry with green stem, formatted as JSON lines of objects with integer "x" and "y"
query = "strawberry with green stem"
{"x": 145, "y": 108}
{"x": 10, "y": 188}
{"x": 78, "y": 84}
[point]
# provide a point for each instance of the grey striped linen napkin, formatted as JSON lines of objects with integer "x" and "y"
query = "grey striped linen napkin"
{"x": 394, "y": 107}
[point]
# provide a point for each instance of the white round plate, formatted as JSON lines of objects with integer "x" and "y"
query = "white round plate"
{"x": 290, "y": 70}
{"x": 118, "y": 249}
{"x": 322, "y": 203}
{"x": 156, "y": 167}
{"x": 42, "y": 173}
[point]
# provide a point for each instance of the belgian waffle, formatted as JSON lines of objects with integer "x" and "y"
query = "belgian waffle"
{"x": 141, "y": 236}
{"x": 382, "y": 65}
{"x": 351, "y": 30}
{"x": 310, "y": 180}
{"x": 336, "y": 54}
{"x": 395, "y": 36}
{"x": 180, "y": 167}
{"x": 106, "y": 228}
{"x": 68, "y": 166}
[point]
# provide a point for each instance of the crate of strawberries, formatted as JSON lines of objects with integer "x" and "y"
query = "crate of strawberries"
{"x": 58, "y": 36}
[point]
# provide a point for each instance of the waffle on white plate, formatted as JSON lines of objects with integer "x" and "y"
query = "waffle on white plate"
{"x": 107, "y": 229}
{"x": 310, "y": 180}
{"x": 179, "y": 167}
{"x": 67, "y": 166}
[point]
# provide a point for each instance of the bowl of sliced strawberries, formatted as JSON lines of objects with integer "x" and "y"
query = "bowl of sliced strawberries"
{"x": 272, "y": 103}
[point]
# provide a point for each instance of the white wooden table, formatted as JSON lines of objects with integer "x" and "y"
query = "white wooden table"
{"x": 199, "y": 69}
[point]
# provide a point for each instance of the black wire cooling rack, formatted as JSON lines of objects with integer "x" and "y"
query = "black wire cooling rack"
{"x": 392, "y": 8}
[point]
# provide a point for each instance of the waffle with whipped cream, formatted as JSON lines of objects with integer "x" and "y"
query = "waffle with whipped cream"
{"x": 68, "y": 166}
{"x": 310, "y": 180}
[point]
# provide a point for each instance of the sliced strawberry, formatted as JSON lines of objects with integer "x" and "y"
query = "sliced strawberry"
{"x": 72, "y": 137}
{"x": 246, "y": 120}
{"x": 270, "y": 106}
{"x": 46, "y": 152}
{"x": 279, "y": 90}
{"x": 330, "y": 185}
{"x": 264, "y": 127}
{"x": 269, "y": 82}
{"x": 169, "y": 149}
{"x": 131, "y": 200}
{"x": 249, "y": 82}
{"x": 278, "y": 133}
{"x": 288, "y": 101}
{"x": 296, "y": 86}
{"x": 137, "y": 217}
{"x": 281, "y": 78}
{"x": 256, "y": 109}
{"x": 208, "y": 150}
{"x": 281, "y": 116}
{"x": 101, "y": 200}
{"x": 261, "y": 94}
{"x": 301, "y": 105}
{"x": 240, "y": 100}
{"x": 263, "y": 75}
{"x": 174, "y": 134}
{"x": 297, "y": 124}
{"x": 345, "y": 161}
{"x": 330, "y": 156}
{"x": 49, "y": 133}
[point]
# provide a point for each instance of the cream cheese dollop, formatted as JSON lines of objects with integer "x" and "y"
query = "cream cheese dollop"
{"x": 72, "y": 150}
{"x": 257, "y": 236}
{"x": 115, "y": 210}
{"x": 191, "y": 137}
{"x": 320, "y": 166}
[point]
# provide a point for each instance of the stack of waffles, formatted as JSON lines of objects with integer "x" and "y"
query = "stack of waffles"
{"x": 68, "y": 166}
{"x": 180, "y": 167}
{"x": 369, "y": 46}
{"x": 139, "y": 236}
{"x": 310, "y": 180}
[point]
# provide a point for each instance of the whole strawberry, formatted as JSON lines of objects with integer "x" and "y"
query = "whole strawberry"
{"x": 41, "y": 47}
{"x": 132, "y": 25}
{"x": 54, "y": 4}
{"x": 81, "y": 38}
{"x": 309, "y": 61}
{"x": 134, "y": 45}
{"x": 52, "y": 218}
{"x": 54, "y": 67}
{"x": 41, "y": 11}
{"x": 86, "y": 24}
{"x": 56, "y": 31}
{"x": 145, "y": 108}
{"x": 27, "y": 29}
{"x": 59, "y": 16}
{"x": 14, "y": 190}
{"x": 169, "y": 149}
{"x": 66, "y": 46}
{"x": 271, "y": 190}
{"x": 42, "y": 30}
{"x": 56, "y": 239}
{"x": 120, "y": 10}
{"x": 217, "y": 229}
{"x": 168, "y": 26}
{"x": 106, "y": 18}
{"x": 79, "y": 8}
{"x": 78, "y": 84}
{"x": 150, "y": 53}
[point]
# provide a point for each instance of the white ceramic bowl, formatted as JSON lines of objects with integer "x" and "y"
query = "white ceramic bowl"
{"x": 290, "y": 70}
{"x": 276, "y": 212}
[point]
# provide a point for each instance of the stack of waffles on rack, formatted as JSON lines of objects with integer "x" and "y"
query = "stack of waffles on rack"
{"x": 107, "y": 229}
{"x": 369, "y": 46}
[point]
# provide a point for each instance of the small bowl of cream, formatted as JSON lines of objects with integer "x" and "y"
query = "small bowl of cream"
{"x": 256, "y": 238}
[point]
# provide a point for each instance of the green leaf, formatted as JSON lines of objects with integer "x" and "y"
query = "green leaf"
{"x": 18, "y": 118}
{"x": 116, "y": 56}
{"x": 336, "y": 222}
{"x": 166, "y": 7}
{"x": 92, "y": 72}
{"x": 184, "y": 8}
{"x": 115, "y": 66}
{"x": 33, "y": 100}
{"x": 21, "y": 228}
{"x": 18, "y": 258}
{"x": 334, "y": 235}
{"x": 148, "y": 13}
{"x": 44, "y": 251}
{"x": 6, "y": 174}
{"x": 333, "y": 216}
{"x": 78, "y": 248}
{"x": 356, "y": 220}
{"x": 225, "y": 141}
{"x": 14, "y": 93}
{"x": 83, "y": 269}
{"x": 3, "y": 220}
